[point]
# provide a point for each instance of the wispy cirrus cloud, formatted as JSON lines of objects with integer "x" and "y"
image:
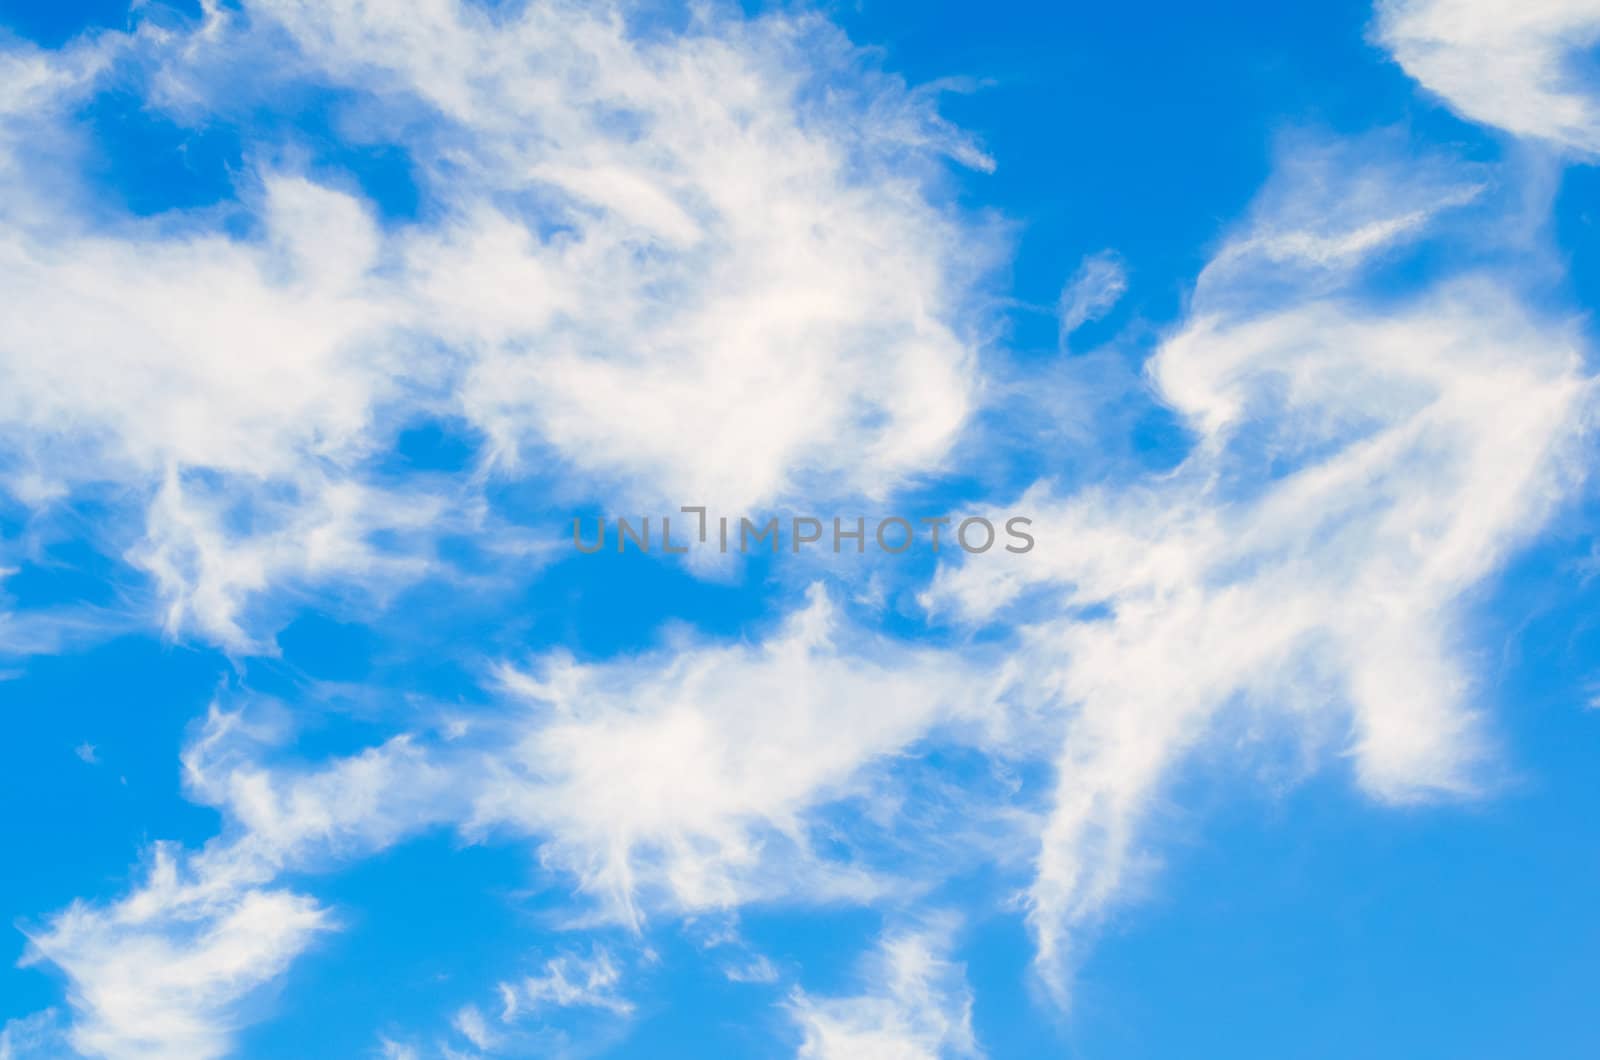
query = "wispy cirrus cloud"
{"x": 1359, "y": 464}
{"x": 1100, "y": 281}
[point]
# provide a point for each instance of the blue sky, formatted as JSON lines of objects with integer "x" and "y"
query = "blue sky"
{"x": 324, "y": 322}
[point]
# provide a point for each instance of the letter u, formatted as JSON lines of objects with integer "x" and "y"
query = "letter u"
{"x": 578, "y": 540}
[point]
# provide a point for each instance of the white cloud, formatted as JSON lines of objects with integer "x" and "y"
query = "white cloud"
{"x": 48, "y": 630}
{"x": 1331, "y": 207}
{"x": 1100, "y": 281}
{"x": 164, "y": 972}
{"x": 471, "y": 1025}
{"x": 36, "y": 1037}
{"x": 1358, "y": 465}
{"x": 1523, "y": 67}
{"x": 758, "y": 969}
{"x": 668, "y": 269}
{"x": 689, "y": 779}
{"x": 663, "y": 259}
{"x": 319, "y": 529}
{"x": 237, "y": 419}
{"x": 392, "y": 1050}
{"x": 567, "y": 981}
{"x": 917, "y": 1004}
{"x": 685, "y": 775}
{"x": 666, "y": 260}
{"x": 169, "y": 969}
{"x": 680, "y": 780}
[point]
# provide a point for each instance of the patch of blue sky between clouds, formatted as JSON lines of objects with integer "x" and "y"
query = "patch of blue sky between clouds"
{"x": 324, "y": 320}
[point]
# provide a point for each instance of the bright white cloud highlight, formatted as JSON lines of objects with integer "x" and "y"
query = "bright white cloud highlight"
{"x": 1524, "y": 67}
{"x": 162, "y": 973}
{"x": 681, "y": 776}
{"x": 917, "y": 1006}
